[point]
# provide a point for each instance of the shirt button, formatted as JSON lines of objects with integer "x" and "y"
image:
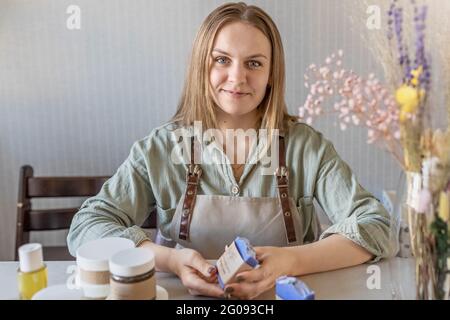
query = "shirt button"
{"x": 235, "y": 190}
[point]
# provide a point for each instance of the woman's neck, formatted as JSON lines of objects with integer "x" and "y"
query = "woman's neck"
{"x": 241, "y": 146}
{"x": 244, "y": 122}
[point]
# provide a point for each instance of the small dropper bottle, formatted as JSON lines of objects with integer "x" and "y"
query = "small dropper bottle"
{"x": 32, "y": 273}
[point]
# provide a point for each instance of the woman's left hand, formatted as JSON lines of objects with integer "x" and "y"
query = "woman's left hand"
{"x": 274, "y": 262}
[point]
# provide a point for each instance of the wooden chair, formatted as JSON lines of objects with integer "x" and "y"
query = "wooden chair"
{"x": 29, "y": 219}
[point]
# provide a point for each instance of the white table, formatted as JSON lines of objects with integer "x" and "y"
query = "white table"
{"x": 396, "y": 281}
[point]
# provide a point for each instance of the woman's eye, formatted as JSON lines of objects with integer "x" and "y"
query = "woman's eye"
{"x": 251, "y": 64}
{"x": 221, "y": 60}
{"x": 254, "y": 64}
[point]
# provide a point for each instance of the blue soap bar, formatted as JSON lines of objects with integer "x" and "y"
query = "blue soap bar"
{"x": 221, "y": 284}
{"x": 247, "y": 254}
{"x": 290, "y": 288}
{"x": 246, "y": 251}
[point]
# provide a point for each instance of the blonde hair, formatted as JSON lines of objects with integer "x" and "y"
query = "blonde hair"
{"x": 197, "y": 104}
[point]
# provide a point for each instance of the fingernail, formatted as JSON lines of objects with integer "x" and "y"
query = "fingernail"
{"x": 212, "y": 270}
{"x": 229, "y": 290}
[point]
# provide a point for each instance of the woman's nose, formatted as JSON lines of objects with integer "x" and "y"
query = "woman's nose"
{"x": 237, "y": 73}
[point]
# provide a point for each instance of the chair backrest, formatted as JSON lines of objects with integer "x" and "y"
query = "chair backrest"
{"x": 53, "y": 187}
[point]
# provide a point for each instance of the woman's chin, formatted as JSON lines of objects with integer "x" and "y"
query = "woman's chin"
{"x": 236, "y": 112}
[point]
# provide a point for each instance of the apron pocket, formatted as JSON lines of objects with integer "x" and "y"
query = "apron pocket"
{"x": 275, "y": 229}
{"x": 311, "y": 225}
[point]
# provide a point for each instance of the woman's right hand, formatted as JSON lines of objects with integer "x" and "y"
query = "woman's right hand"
{"x": 196, "y": 274}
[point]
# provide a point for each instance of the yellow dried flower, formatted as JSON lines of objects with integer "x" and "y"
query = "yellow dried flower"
{"x": 416, "y": 75}
{"x": 408, "y": 98}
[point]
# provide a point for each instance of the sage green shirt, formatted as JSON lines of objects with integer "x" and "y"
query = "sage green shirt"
{"x": 150, "y": 178}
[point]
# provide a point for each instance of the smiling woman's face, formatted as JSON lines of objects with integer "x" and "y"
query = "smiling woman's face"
{"x": 240, "y": 68}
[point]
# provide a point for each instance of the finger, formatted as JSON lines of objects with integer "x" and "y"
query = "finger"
{"x": 260, "y": 251}
{"x": 211, "y": 279}
{"x": 252, "y": 275}
{"x": 203, "y": 266}
{"x": 202, "y": 287}
{"x": 247, "y": 290}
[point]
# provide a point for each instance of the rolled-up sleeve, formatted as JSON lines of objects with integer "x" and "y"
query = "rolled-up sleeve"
{"x": 354, "y": 212}
{"x": 121, "y": 206}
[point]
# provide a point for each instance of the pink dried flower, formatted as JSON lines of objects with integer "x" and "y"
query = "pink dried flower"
{"x": 361, "y": 102}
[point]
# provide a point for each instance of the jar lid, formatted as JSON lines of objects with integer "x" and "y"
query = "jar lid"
{"x": 30, "y": 257}
{"x": 132, "y": 262}
{"x": 94, "y": 255}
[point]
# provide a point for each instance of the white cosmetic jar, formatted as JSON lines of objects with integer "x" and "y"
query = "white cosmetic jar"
{"x": 132, "y": 275}
{"x": 93, "y": 264}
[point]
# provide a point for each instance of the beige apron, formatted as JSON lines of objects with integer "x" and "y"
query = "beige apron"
{"x": 207, "y": 223}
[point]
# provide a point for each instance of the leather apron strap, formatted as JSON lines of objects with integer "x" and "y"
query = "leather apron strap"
{"x": 283, "y": 191}
{"x": 192, "y": 180}
{"x": 193, "y": 177}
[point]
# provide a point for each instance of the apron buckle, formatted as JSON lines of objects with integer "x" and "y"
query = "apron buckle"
{"x": 282, "y": 172}
{"x": 194, "y": 170}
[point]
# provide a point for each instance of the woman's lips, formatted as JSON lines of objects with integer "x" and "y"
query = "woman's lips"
{"x": 234, "y": 94}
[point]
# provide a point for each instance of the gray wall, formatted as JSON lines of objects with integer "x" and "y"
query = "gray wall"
{"x": 72, "y": 102}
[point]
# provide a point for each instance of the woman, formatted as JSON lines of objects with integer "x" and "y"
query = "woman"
{"x": 236, "y": 81}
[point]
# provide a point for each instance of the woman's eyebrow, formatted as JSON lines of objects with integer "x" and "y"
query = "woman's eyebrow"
{"x": 258, "y": 55}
